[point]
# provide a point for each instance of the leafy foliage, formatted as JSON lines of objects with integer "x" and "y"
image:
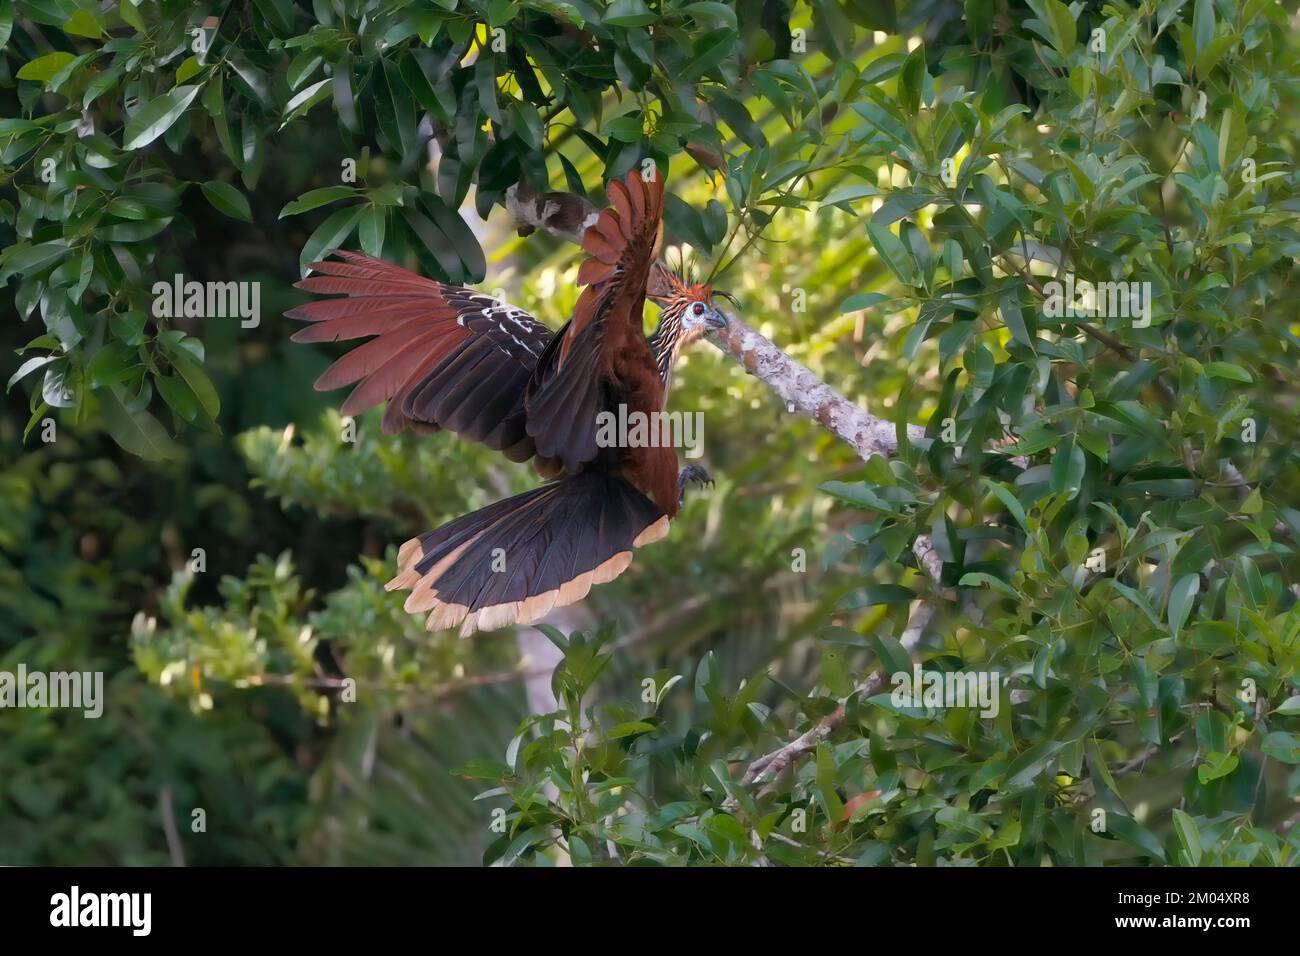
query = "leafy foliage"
{"x": 891, "y": 193}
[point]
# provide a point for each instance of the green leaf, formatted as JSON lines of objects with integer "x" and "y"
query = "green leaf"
{"x": 134, "y": 231}
{"x": 961, "y": 821}
{"x": 1135, "y": 835}
{"x": 303, "y": 66}
{"x": 1188, "y": 835}
{"x": 736, "y": 115}
{"x": 1216, "y": 765}
{"x": 157, "y": 116}
{"x": 1209, "y": 58}
{"x": 446, "y": 236}
{"x": 629, "y": 13}
{"x": 1068, "y": 469}
{"x": 1087, "y": 188}
{"x": 892, "y": 251}
{"x": 1097, "y": 767}
{"x": 835, "y": 673}
{"x": 527, "y": 124}
{"x": 329, "y": 235}
{"x": 862, "y": 300}
{"x": 129, "y": 11}
{"x": 1229, "y": 371}
{"x": 973, "y": 579}
{"x": 225, "y": 198}
{"x": 845, "y": 194}
{"x": 1008, "y": 498}
{"x": 40, "y": 361}
{"x": 28, "y": 260}
{"x": 1180, "y": 600}
{"x": 1289, "y": 707}
{"x": 891, "y": 654}
{"x": 83, "y": 24}
{"x": 1282, "y": 746}
{"x": 629, "y": 729}
{"x": 709, "y": 51}
{"x": 189, "y": 69}
{"x": 395, "y": 105}
{"x": 178, "y": 395}
{"x": 44, "y": 68}
{"x": 315, "y": 198}
{"x": 911, "y": 81}
{"x": 1202, "y": 25}
{"x": 137, "y": 431}
{"x": 114, "y": 363}
{"x": 875, "y": 594}
{"x": 827, "y": 782}
{"x": 714, "y": 221}
{"x": 555, "y": 636}
{"x": 302, "y": 101}
{"x": 1014, "y": 319}
{"x": 1026, "y": 768}
{"x": 128, "y": 326}
{"x": 708, "y": 12}
{"x": 194, "y": 376}
{"x": 1062, "y": 26}
{"x": 1008, "y": 836}
{"x": 371, "y": 230}
{"x": 55, "y": 387}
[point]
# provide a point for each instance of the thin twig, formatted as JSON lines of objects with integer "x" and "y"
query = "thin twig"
{"x": 174, "y": 847}
{"x": 766, "y": 769}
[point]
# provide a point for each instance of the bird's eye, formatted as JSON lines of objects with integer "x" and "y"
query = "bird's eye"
{"x": 699, "y": 308}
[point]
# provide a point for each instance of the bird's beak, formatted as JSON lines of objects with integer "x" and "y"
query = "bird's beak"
{"x": 717, "y": 320}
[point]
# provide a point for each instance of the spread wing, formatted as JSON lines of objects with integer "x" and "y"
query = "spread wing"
{"x": 442, "y": 356}
{"x": 570, "y": 386}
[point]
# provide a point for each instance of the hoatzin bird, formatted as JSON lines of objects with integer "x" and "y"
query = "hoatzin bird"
{"x": 446, "y": 357}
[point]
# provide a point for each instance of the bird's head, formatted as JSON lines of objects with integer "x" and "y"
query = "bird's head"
{"x": 687, "y": 306}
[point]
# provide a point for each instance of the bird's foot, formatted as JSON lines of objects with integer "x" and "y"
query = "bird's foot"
{"x": 692, "y": 474}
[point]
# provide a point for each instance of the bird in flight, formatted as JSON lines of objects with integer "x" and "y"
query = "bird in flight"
{"x": 446, "y": 357}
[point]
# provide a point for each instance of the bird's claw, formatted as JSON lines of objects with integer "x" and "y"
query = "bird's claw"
{"x": 692, "y": 474}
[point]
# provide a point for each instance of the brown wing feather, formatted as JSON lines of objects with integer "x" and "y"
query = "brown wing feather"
{"x": 621, "y": 199}
{"x": 419, "y": 324}
{"x": 633, "y": 228}
{"x": 570, "y": 386}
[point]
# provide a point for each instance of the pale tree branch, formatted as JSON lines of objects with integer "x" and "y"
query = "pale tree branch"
{"x": 805, "y": 393}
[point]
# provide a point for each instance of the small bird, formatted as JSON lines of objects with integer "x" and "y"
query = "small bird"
{"x": 446, "y": 357}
